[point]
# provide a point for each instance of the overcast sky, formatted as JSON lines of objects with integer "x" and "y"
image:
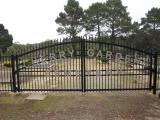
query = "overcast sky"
{"x": 33, "y": 21}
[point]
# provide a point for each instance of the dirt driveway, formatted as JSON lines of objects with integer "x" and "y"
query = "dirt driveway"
{"x": 75, "y": 106}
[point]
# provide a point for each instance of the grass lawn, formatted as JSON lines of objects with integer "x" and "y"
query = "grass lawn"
{"x": 75, "y": 106}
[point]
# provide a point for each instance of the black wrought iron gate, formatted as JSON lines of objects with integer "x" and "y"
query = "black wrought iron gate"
{"x": 84, "y": 65}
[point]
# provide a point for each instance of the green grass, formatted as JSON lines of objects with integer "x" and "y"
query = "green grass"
{"x": 8, "y": 103}
{"x": 9, "y": 99}
{"x": 49, "y": 104}
{"x": 31, "y": 106}
{"x": 89, "y": 106}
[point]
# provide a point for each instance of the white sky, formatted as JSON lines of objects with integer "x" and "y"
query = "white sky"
{"x": 33, "y": 21}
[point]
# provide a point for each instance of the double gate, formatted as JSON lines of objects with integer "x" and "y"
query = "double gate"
{"x": 84, "y": 65}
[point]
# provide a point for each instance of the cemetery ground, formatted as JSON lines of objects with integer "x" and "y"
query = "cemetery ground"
{"x": 122, "y": 105}
{"x": 98, "y": 75}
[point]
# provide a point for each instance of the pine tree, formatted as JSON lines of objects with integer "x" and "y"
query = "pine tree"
{"x": 70, "y": 21}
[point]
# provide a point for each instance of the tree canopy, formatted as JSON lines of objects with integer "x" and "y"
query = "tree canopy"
{"x": 152, "y": 20}
{"x": 94, "y": 18}
{"x": 117, "y": 21}
{"x": 70, "y": 21}
{"x": 109, "y": 19}
{"x": 149, "y": 32}
{"x": 5, "y": 38}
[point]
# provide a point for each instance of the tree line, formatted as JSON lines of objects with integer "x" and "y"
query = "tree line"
{"x": 110, "y": 19}
{"x": 5, "y": 39}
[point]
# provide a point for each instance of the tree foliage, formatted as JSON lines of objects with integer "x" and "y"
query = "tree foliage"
{"x": 150, "y": 30}
{"x": 110, "y": 19}
{"x": 5, "y": 38}
{"x": 117, "y": 21}
{"x": 70, "y": 21}
{"x": 152, "y": 20}
{"x": 94, "y": 18}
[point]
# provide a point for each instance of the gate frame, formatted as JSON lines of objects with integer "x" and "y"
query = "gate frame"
{"x": 14, "y": 87}
{"x": 155, "y": 73}
{"x": 153, "y": 70}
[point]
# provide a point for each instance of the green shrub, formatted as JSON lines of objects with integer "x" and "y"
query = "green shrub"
{"x": 103, "y": 59}
{"x": 7, "y": 63}
{"x": 26, "y": 62}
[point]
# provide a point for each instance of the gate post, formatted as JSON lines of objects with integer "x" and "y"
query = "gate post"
{"x": 14, "y": 89}
{"x": 17, "y": 72}
{"x": 151, "y": 71}
{"x": 155, "y": 74}
{"x": 83, "y": 65}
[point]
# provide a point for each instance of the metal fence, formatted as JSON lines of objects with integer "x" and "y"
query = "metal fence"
{"x": 158, "y": 73}
{"x": 5, "y": 74}
{"x": 81, "y": 64}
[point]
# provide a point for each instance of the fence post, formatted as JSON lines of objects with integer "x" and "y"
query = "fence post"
{"x": 151, "y": 71}
{"x": 83, "y": 64}
{"x": 17, "y": 72}
{"x": 13, "y": 73}
{"x": 155, "y": 74}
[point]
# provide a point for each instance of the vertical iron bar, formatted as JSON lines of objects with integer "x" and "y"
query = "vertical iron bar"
{"x": 82, "y": 65}
{"x": 155, "y": 74}
{"x": 17, "y": 71}
{"x": 13, "y": 73}
{"x": 84, "y": 70}
{"x": 151, "y": 71}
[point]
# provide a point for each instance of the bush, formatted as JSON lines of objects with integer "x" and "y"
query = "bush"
{"x": 103, "y": 59}
{"x": 7, "y": 63}
{"x": 26, "y": 62}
